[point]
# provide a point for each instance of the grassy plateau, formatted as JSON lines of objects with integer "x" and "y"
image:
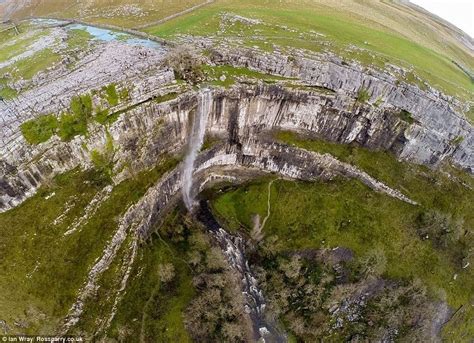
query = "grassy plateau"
{"x": 319, "y": 26}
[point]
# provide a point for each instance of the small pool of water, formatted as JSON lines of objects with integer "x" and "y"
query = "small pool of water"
{"x": 109, "y": 35}
{"x": 102, "y": 34}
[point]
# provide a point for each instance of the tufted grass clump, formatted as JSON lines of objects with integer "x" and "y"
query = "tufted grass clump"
{"x": 406, "y": 116}
{"x": 71, "y": 126}
{"x": 102, "y": 116}
{"x": 103, "y": 161}
{"x": 458, "y": 140}
{"x": 111, "y": 94}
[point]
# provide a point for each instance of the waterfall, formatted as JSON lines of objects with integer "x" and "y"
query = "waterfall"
{"x": 195, "y": 143}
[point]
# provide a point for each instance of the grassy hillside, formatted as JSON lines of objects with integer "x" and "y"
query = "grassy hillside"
{"x": 127, "y": 13}
{"x": 42, "y": 269}
{"x": 374, "y": 34}
{"x": 409, "y": 21}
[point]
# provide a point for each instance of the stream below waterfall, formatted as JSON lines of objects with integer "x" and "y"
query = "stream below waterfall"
{"x": 233, "y": 248}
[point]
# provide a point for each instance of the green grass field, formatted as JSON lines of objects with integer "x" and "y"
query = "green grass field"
{"x": 108, "y": 12}
{"x": 25, "y": 68}
{"x": 348, "y": 214}
{"x": 157, "y": 305}
{"x": 320, "y": 28}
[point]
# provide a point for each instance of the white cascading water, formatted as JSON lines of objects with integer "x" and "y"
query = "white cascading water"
{"x": 195, "y": 143}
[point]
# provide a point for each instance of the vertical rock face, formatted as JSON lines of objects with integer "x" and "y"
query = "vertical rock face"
{"x": 333, "y": 117}
{"x": 437, "y": 123}
{"x": 144, "y": 133}
{"x": 418, "y": 126}
{"x": 340, "y": 119}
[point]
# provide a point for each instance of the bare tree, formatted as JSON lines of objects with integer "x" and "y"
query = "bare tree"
{"x": 186, "y": 64}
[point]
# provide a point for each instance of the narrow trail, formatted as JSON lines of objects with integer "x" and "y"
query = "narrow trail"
{"x": 186, "y": 11}
{"x": 268, "y": 205}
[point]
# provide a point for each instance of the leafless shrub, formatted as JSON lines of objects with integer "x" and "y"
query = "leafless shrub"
{"x": 166, "y": 272}
{"x": 186, "y": 64}
{"x": 374, "y": 263}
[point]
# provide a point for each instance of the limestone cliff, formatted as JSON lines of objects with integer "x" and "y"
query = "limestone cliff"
{"x": 419, "y": 126}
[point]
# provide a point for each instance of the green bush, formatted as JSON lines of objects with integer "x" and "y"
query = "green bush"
{"x": 7, "y": 93}
{"x": 470, "y": 113}
{"x": 124, "y": 94}
{"x": 103, "y": 164}
{"x": 406, "y": 116}
{"x": 111, "y": 94}
{"x": 81, "y": 105}
{"x": 102, "y": 116}
{"x": 442, "y": 229}
{"x": 71, "y": 125}
{"x": 363, "y": 95}
{"x": 39, "y": 130}
{"x": 374, "y": 263}
{"x": 75, "y": 123}
{"x": 186, "y": 64}
{"x": 104, "y": 161}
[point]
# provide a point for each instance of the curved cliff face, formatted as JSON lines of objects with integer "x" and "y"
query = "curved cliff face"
{"x": 437, "y": 122}
{"x": 334, "y": 117}
{"x": 253, "y": 157}
{"x": 229, "y": 162}
{"x": 239, "y": 115}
